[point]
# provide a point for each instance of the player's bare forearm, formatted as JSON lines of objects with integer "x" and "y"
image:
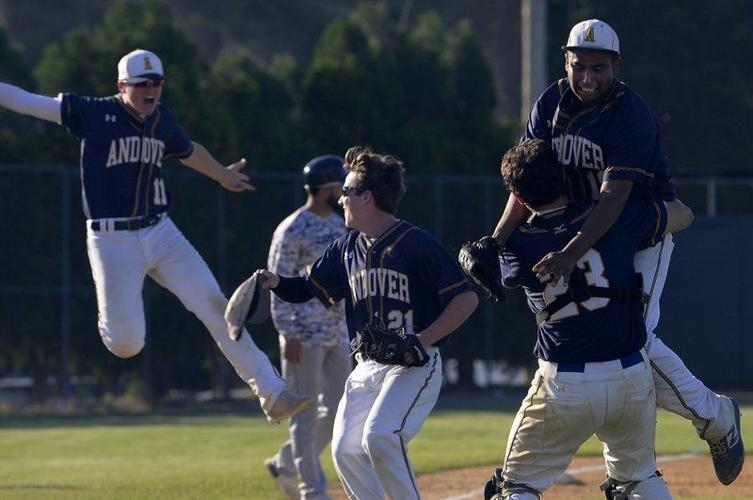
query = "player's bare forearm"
{"x": 611, "y": 202}
{"x": 614, "y": 195}
{"x": 229, "y": 177}
{"x": 457, "y": 311}
{"x": 679, "y": 216}
{"x": 514, "y": 214}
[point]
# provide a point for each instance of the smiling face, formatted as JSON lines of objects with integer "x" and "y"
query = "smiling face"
{"x": 591, "y": 73}
{"x": 142, "y": 96}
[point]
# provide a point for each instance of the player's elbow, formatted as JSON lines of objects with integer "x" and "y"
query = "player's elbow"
{"x": 679, "y": 216}
{"x": 467, "y": 303}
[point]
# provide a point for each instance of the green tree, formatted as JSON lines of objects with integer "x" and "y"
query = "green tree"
{"x": 257, "y": 114}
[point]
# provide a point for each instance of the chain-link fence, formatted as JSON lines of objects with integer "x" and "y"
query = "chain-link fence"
{"x": 49, "y": 332}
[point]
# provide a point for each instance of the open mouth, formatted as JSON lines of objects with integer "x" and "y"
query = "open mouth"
{"x": 149, "y": 101}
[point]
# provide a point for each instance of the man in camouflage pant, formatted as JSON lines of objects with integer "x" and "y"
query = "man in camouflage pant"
{"x": 313, "y": 340}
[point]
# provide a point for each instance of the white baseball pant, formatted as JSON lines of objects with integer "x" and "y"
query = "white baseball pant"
{"x": 383, "y": 407}
{"x": 677, "y": 389}
{"x": 121, "y": 259}
{"x": 562, "y": 410}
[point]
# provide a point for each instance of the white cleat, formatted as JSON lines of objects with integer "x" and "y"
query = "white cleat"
{"x": 286, "y": 405}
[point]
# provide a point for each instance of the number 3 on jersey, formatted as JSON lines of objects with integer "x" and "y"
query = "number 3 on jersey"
{"x": 593, "y": 267}
{"x": 160, "y": 196}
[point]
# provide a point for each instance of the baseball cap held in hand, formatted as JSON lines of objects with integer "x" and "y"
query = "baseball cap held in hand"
{"x": 139, "y": 65}
{"x": 593, "y": 34}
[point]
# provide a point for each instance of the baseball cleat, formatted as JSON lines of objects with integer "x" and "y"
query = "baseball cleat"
{"x": 287, "y": 482}
{"x": 728, "y": 454}
{"x": 286, "y": 405}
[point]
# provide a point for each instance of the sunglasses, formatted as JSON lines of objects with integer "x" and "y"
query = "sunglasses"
{"x": 349, "y": 190}
{"x": 151, "y": 82}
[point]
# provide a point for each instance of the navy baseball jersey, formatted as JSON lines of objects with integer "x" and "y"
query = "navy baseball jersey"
{"x": 122, "y": 155}
{"x": 616, "y": 140}
{"x": 598, "y": 329}
{"x": 402, "y": 279}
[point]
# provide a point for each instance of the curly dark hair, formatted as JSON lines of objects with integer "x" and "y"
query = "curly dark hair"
{"x": 383, "y": 175}
{"x": 532, "y": 173}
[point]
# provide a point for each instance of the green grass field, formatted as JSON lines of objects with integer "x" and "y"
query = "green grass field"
{"x": 221, "y": 455}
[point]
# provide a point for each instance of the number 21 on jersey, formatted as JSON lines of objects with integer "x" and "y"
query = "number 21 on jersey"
{"x": 593, "y": 268}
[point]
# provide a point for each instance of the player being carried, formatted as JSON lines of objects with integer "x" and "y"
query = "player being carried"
{"x": 607, "y": 142}
{"x": 594, "y": 375}
{"x": 125, "y": 139}
{"x": 403, "y": 296}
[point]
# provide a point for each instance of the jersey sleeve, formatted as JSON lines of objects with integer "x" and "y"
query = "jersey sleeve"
{"x": 177, "y": 145}
{"x": 631, "y": 142}
{"x": 539, "y": 119}
{"x": 641, "y": 223}
{"x": 437, "y": 270}
{"x": 323, "y": 276}
{"x": 511, "y": 267}
{"x": 74, "y": 114}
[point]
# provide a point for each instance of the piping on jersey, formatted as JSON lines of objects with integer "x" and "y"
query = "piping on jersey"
{"x": 369, "y": 247}
{"x": 387, "y": 250}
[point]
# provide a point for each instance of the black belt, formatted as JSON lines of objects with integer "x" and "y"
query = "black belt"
{"x": 626, "y": 362}
{"x": 128, "y": 225}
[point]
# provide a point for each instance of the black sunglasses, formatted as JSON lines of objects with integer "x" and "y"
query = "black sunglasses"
{"x": 151, "y": 82}
{"x": 349, "y": 190}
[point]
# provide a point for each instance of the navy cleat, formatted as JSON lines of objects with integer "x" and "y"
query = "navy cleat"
{"x": 728, "y": 453}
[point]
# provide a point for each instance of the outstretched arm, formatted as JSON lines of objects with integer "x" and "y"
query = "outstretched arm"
{"x": 515, "y": 213}
{"x": 39, "y": 106}
{"x": 613, "y": 196}
{"x": 229, "y": 177}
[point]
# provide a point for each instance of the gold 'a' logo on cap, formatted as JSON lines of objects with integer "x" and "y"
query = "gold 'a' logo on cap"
{"x": 590, "y": 34}
{"x": 148, "y": 62}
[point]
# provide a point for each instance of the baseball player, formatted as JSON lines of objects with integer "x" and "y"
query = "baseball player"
{"x": 594, "y": 376}
{"x": 125, "y": 139}
{"x": 607, "y": 140}
{"x": 399, "y": 285}
{"x": 313, "y": 339}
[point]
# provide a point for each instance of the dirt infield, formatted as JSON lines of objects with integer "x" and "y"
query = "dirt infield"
{"x": 688, "y": 476}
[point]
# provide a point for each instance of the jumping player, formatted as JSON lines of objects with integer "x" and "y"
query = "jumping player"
{"x": 607, "y": 140}
{"x": 313, "y": 339}
{"x": 594, "y": 376}
{"x": 125, "y": 139}
{"x": 394, "y": 275}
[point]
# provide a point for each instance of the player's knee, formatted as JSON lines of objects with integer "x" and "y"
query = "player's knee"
{"x": 124, "y": 339}
{"x": 344, "y": 450}
{"x": 380, "y": 444}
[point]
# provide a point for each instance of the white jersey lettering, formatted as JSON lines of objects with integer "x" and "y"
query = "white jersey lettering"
{"x": 133, "y": 149}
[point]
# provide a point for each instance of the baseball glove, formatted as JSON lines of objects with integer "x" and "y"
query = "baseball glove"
{"x": 249, "y": 304}
{"x": 480, "y": 261}
{"x": 390, "y": 347}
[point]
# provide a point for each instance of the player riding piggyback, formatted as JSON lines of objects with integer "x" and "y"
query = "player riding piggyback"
{"x": 599, "y": 127}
